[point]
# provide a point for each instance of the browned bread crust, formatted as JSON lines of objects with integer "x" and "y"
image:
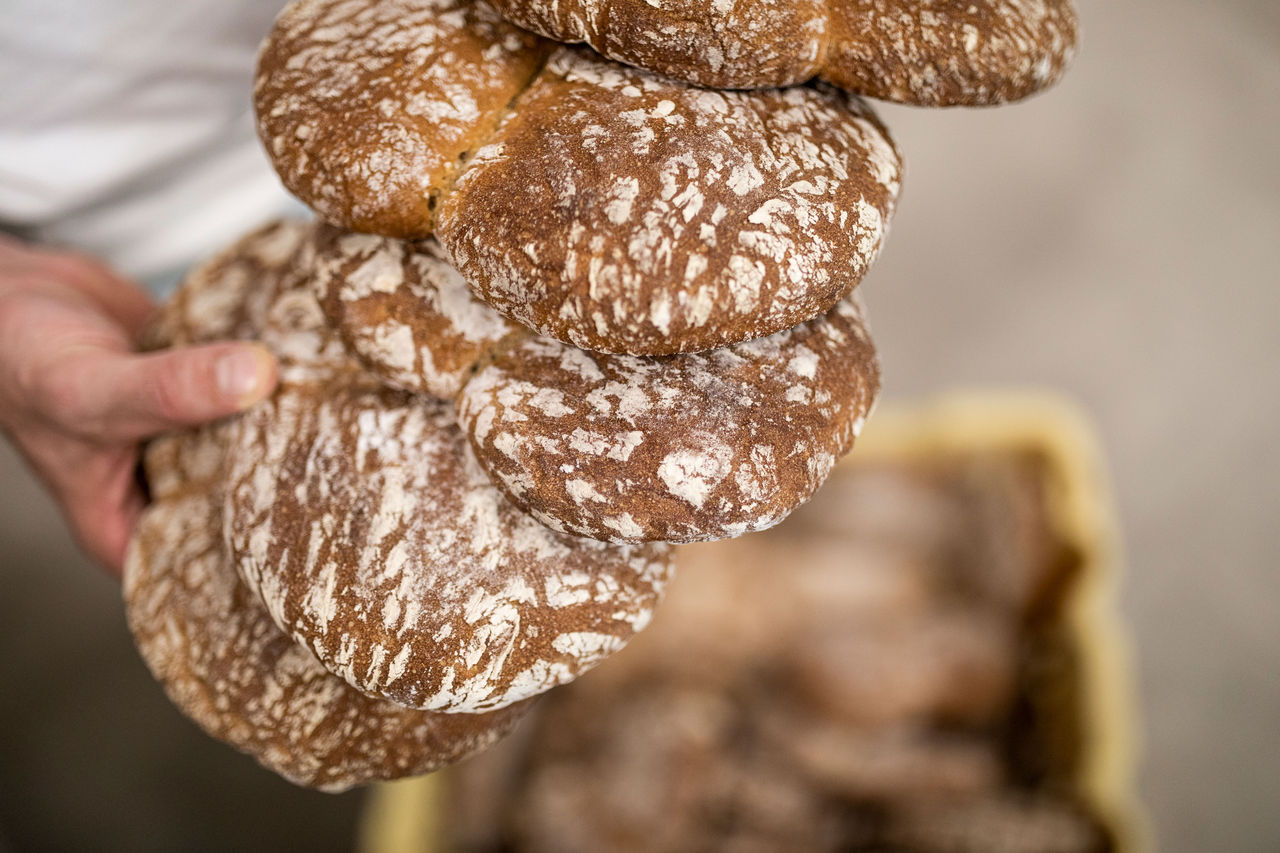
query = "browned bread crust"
{"x": 405, "y": 311}
{"x": 207, "y": 638}
{"x": 620, "y": 448}
{"x": 594, "y": 203}
{"x": 368, "y": 108}
{"x": 924, "y": 52}
{"x": 738, "y": 45}
{"x": 680, "y": 449}
{"x": 624, "y": 213}
{"x": 210, "y": 643}
{"x": 945, "y": 53}
{"x": 358, "y": 515}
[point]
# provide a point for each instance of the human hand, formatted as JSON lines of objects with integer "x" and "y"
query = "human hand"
{"x": 77, "y": 399}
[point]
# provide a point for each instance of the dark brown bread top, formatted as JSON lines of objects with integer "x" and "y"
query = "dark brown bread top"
{"x": 723, "y": 45}
{"x": 405, "y": 311}
{"x": 210, "y": 643}
{"x": 621, "y": 212}
{"x": 924, "y": 52}
{"x": 595, "y": 203}
{"x": 368, "y": 106}
{"x": 600, "y": 445}
{"x": 679, "y": 449}
{"x": 360, "y": 517}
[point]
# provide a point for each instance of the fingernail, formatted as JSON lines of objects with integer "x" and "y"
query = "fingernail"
{"x": 241, "y": 375}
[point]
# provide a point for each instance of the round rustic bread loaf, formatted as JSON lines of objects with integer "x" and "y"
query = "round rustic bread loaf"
{"x": 359, "y": 516}
{"x": 212, "y": 646}
{"x": 622, "y": 212}
{"x": 679, "y": 449}
{"x": 595, "y": 203}
{"x": 943, "y": 53}
{"x": 207, "y": 638}
{"x": 924, "y": 52}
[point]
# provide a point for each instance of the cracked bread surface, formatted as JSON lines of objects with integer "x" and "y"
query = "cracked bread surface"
{"x": 212, "y": 646}
{"x": 619, "y": 448}
{"x": 592, "y": 202}
{"x": 358, "y": 516}
{"x": 679, "y": 449}
{"x": 922, "y": 52}
{"x": 205, "y": 636}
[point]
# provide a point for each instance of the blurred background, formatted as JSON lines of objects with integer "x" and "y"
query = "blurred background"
{"x": 1117, "y": 239}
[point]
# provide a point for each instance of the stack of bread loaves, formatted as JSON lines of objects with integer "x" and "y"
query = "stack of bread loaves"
{"x": 560, "y": 312}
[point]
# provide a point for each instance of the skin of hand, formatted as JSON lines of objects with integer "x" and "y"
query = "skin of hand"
{"x": 76, "y": 398}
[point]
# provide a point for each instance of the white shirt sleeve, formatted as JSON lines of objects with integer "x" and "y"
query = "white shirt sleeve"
{"x": 126, "y": 128}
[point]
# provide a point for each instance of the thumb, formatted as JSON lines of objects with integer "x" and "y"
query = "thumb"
{"x": 137, "y": 396}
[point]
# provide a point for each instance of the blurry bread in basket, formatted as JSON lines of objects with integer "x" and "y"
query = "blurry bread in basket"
{"x": 925, "y": 658}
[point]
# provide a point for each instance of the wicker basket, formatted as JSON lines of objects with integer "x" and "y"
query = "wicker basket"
{"x": 406, "y": 817}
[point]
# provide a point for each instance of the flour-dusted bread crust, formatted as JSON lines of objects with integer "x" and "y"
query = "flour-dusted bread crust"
{"x": 944, "y": 53}
{"x": 924, "y": 52}
{"x": 621, "y": 212}
{"x": 359, "y": 516}
{"x": 367, "y": 107}
{"x": 613, "y": 447}
{"x": 228, "y": 296}
{"x": 723, "y": 45}
{"x": 206, "y": 637}
{"x": 678, "y": 449}
{"x": 210, "y": 643}
{"x": 375, "y": 539}
{"x": 259, "y": 288}
{"x": 405, "y": 311}
{"x": 598, "y": 204}
{"x": 356, "y": 513}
